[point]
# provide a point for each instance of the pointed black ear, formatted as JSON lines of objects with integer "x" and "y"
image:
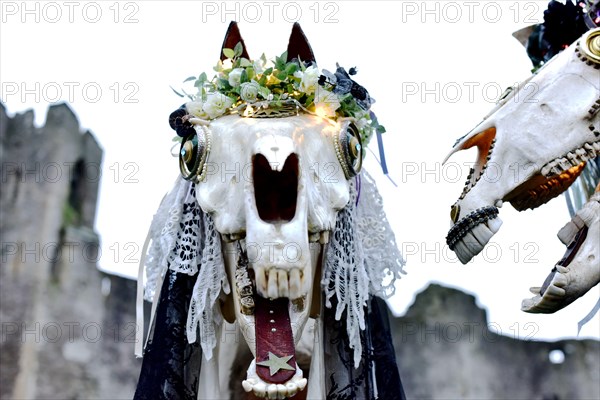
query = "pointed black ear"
{"x": 233, "y": 37}
{"x": 298, "y": 46}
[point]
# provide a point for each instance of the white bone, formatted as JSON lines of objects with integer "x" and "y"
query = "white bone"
{"x": 540, "y": 128}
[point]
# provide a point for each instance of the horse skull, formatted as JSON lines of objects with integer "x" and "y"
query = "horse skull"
{"x": 532, "y": 146}
{"x": 286, "y": 176}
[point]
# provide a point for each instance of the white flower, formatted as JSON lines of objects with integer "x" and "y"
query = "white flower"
{"x": 326, "y": 102}
{"x": 195, "y": 108}
{"x": 309, "y": 79}
{"x": 227, "y": 64}
{"x": 235, "y": 76}
{"x": 259, "y": 66}
{"x": 216, "y": 104}
{"x": 249, "y": 91}
{"x": 362, "y": 123}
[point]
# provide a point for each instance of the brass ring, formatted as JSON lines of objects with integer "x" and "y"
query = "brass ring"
{"x": 589, "y": 46}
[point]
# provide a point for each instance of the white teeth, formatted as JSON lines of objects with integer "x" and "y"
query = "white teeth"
{"x": 295, "y": 284}
{"x": 472, "y": 244}
{"x": 292, "y": 387}
{"x": 261, "y": 281}
{"x": 555, "y": 291}
{"x": 273, "y": 391}
{"x": 302, "y": 384}
{"x": 535, "y": 290}
{"x": 275, "y": 283}
{"x": 474, "y": 241}
{"x": 562, "y": 270}
{"x": 282, "y": 391}
{"x": 568, "y": 232}
{"x": 571, "y": 159}
{"x": 282, "y": 280}
{"x": 260, "y": 389}
{"x": 483, "y": 234}
{"x": 462, "y": 252}
{"x": 560, "y": 281}
{"x": 272, "y": 290}
{"x": 590, "y": 150}
{"x": 494, "y": 224}
{"x": 247, "y": 385}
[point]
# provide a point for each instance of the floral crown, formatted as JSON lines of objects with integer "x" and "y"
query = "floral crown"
{"x": 287, "y": 86}
{"x": 253, "y": 89}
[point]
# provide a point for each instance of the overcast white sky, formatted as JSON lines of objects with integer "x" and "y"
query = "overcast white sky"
{"x": 435, "y": 68}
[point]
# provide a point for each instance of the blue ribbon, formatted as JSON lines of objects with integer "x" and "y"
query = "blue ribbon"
{"x": 381, "y": 160}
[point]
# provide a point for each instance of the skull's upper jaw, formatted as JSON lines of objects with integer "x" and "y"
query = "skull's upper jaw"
{"x": 474, "y": 215}
{"x": 530, "y": 149}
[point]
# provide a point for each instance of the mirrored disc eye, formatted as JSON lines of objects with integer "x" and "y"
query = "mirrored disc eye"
{"x": 349, "y": 150}
{"x": 193, "y": 154}
{"x": 589, "y": 47}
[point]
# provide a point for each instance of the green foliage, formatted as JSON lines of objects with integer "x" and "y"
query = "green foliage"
{"x": 229, "y": 53}
{"x": 280, "y": 81}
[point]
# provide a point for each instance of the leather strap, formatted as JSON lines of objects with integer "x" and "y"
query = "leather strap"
{"x": 274, "y": 338}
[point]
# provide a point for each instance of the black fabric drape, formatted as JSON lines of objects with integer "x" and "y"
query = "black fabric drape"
{"x": 343, "y": 381}
{"x": 171, "y": 365}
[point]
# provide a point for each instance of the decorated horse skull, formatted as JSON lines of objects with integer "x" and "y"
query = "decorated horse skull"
{"x": 274, "y": 228}
{"x": 531, "y": 148}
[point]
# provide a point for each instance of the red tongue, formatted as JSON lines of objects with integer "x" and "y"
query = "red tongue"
{"x": 274, "y": 340}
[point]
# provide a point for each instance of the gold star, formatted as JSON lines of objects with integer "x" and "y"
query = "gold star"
{"x": 276, "y": 363}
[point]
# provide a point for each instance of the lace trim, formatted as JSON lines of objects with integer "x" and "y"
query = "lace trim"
{"x": 183, "y": 257}
{"x": 184, "y": 240}
{"x": 163, "y": 235}
{"x": 362, "y": 259}
{"x": 204, "y": 312}
{"x": 383, "y": 260}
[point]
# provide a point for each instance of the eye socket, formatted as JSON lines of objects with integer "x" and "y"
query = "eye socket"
{"x": 193, "y": 153}
{"x": 348, "y": 147}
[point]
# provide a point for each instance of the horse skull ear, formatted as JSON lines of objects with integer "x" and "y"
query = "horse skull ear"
{"x": 232, "y": 38}
{"x": 298, "y": 46}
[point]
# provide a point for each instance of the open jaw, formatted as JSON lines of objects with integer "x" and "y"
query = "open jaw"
{"x": 273, "y": 266}
{"x": 272, "y": 326}
{"x": 471, "y": 232}
{"x": 578, "y": 270}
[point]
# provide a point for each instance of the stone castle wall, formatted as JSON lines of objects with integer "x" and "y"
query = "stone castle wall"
{"x": 64, "y": 333}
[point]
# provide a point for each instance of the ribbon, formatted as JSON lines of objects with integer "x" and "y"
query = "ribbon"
{"x": 588, "y": 317}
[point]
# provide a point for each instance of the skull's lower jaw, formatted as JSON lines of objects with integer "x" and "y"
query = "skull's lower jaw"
{"x": 297, "y": 288}
{"x": 578, "y": 271}
{"x": 471, "y": 233}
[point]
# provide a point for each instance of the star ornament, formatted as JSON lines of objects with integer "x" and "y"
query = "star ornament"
{"x": 276, "y": 363}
